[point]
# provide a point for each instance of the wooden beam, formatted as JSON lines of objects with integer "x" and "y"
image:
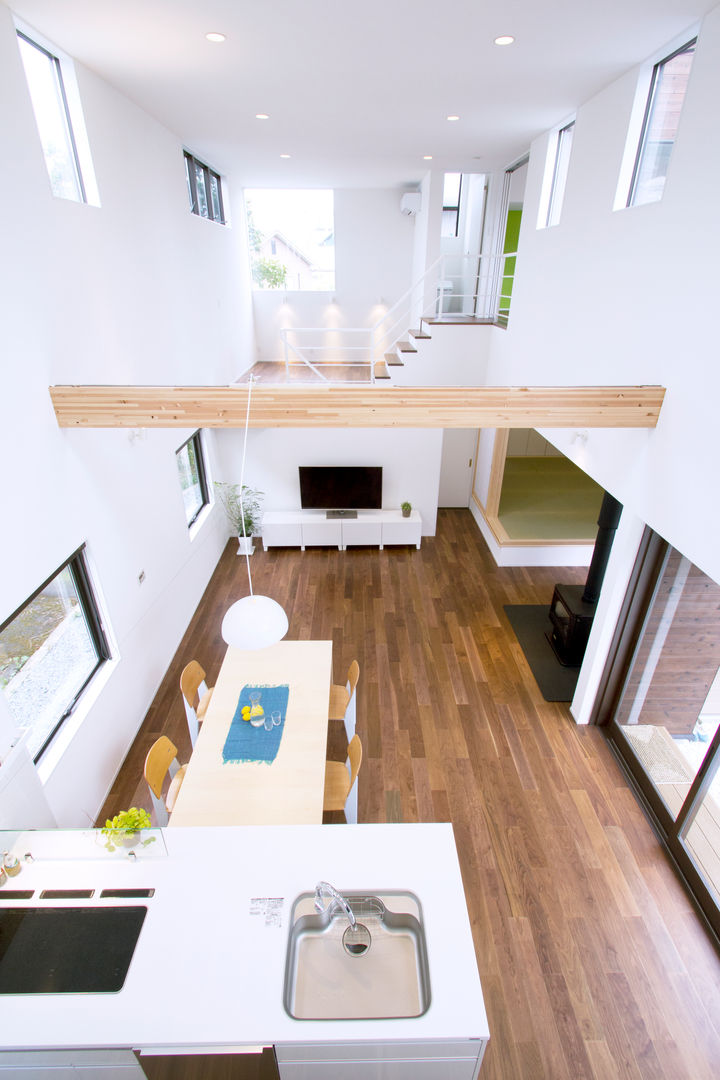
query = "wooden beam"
{"x": 276, "y": 406}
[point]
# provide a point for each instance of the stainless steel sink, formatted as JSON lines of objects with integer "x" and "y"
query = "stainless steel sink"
{"x": 328, "y": 979}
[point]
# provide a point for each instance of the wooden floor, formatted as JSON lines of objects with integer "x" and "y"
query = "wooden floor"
{"x": 593, "y": 963}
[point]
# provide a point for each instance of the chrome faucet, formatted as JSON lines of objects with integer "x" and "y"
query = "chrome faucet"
{"x": 323, "y": 889}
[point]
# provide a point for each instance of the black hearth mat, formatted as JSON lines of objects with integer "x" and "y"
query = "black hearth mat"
{"x": 530, "y": 623}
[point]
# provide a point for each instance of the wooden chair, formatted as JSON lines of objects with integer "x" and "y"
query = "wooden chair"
{"x": 196, "y": 697}
{"x": 161, "y": 760}
{"x": 343, "y": 705}
{"x": 340, "y": 782}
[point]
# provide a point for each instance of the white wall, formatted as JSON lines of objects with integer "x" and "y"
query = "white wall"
{"x": 624, "y": 297}
{"x": 138, "y": 290}
{"x": 410, "y": 459}
{"x": 630, "y": 296}
{"x": 453, "y": 355}
{"x": 373, "y": 266}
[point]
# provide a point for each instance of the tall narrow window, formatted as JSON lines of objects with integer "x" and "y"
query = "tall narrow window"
{"x": 204, "y": 190}
{"x": 660, "y": 125}
{"x": 50, "y": 648}
{"x": 452, "y": 186}
{"x": 49, "y": 97}
{"x": 193, "y": 482}
{"x": 563, "y": 146}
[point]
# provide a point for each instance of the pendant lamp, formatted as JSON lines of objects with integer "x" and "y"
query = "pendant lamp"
{"x": 254, "y": 622}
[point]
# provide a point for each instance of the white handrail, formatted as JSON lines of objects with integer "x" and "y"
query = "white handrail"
{"x": 488, "y": 300}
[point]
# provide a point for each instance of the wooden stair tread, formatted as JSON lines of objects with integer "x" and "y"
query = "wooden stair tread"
{"x": 393, "y": 360}
{"x": 405, "y": 346}
{"x": 419, "y": 333}
{"x": 381, "y": 371}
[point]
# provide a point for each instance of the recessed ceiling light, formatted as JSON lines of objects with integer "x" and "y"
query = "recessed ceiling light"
{"x": 284, "y": 155}
{"x": 215, "y": 38}
{"x": 453, "y": 117}
{"x": 504, "y": 39}
{"x": 261, "y": 116}
{"x": 427, "y": 157}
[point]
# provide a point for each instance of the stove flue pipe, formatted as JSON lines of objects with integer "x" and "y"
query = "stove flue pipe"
{"x": 608, "y": 521}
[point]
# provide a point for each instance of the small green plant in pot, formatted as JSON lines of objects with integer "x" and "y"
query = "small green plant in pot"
{"x": 243, "y": 514}
{"x": 406, "y": 507}
{"x": 124, "y": 829}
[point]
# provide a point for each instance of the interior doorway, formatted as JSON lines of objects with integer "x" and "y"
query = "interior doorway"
{"x": 456, "y": 466}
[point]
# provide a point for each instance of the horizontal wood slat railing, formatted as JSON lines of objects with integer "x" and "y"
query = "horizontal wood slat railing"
{"x": 332, "y": 406}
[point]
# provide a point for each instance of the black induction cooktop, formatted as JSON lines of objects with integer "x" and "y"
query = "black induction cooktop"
{"x": 67, "y": 950}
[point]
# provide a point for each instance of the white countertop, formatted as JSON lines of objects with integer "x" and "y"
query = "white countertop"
{"x": 207, "y": 973}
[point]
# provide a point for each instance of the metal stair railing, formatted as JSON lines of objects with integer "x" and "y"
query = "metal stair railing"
{"x": 479, "y": 286}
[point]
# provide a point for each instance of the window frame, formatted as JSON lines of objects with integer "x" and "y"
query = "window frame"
{"x": 559, "y": 174}
{"x": 196, "y": 440}
{"x": 640, "y": 122}
{"x": 71, "y": 106}
{"x": 454, "y": 207}
{"x": 191, "y": 163}
{"x": 80, "y": 574}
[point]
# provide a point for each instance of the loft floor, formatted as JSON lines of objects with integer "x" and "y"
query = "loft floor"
{"x": 592, "y": 960}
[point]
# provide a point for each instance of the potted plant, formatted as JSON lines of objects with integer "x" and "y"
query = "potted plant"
{"x": 406, "y": 507}
{"x": 243, "y": 514}
{"x": 124, "y": 829}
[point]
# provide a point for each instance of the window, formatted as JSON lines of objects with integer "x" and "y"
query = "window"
{"x": 660, "y": 125}
{"x": 191, "y": 469}
{"x": 557, "y": 173}
{"x": 204, "y": 190}
{"x": 291, "y": 237}
{"x": 50, "y": 648}
{"x": 452, "y": 186}
{"x": 61, "y": 128}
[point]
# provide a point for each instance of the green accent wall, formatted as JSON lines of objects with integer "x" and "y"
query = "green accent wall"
{"x": 512, "y": 237}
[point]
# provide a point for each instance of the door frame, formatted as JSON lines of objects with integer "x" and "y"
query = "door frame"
{"x": 644, "y": 579}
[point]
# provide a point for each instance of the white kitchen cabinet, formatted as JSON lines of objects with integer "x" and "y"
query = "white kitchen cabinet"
{"x": 70, "y": 1065}
{"x": 451, "y": 1059}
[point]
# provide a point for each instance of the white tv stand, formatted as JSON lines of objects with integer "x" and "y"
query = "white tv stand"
{"x": 308, "y": 528}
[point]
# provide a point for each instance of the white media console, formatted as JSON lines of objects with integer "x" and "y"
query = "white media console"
{"x": 308, "y": 528}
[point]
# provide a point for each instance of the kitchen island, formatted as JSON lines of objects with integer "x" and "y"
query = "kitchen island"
{"x": 208, "y": 970}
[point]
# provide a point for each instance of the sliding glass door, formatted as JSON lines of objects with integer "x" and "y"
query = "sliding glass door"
{"x": 662, "y": 710}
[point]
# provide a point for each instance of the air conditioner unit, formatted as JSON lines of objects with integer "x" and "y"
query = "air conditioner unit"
{"x": 411, "y": 202}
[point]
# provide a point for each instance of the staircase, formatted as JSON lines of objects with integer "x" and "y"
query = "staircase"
{"x": 401, "y": 349}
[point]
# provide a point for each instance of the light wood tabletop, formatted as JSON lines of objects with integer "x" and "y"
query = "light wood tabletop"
{"x": 289, "y": 791}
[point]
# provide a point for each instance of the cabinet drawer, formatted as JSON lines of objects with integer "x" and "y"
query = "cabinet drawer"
{"x": 401, "y": 532}
{"x": 322, "y": 533}
{"x": 281, "y": 536}
{"x": 409, "y": 1069}
{"x": 361, "y": 532}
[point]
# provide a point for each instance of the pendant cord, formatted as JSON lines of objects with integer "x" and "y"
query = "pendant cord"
{"x": 242, "y": 484}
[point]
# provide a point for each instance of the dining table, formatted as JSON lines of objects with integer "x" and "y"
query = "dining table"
{"x": 251, "y": 771}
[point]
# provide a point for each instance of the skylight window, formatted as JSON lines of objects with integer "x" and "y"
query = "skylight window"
{"x": 452, "y": 186}
{"x": 660, "y": 125}
{"x": 291, "y": 236}
{"x": 557, "y": 171}
{"x": 60, "y": 124}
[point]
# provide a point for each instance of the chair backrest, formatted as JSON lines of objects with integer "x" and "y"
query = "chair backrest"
{"x": 191, "y": 681}
{"x": 159, "y": 758}
{"x": 353, "y": 676}
{"x": 355, "y": 753}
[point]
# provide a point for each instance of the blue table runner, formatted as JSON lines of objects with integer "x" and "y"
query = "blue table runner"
{"x": 247, "y": 743}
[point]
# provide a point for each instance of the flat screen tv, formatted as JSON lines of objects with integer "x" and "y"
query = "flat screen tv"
{"x": 343, "y": 487}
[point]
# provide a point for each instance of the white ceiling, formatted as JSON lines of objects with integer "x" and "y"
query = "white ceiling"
{"x": 357, "y": 93}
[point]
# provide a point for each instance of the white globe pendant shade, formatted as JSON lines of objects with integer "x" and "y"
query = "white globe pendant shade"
{"x": 254, "y": 623}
